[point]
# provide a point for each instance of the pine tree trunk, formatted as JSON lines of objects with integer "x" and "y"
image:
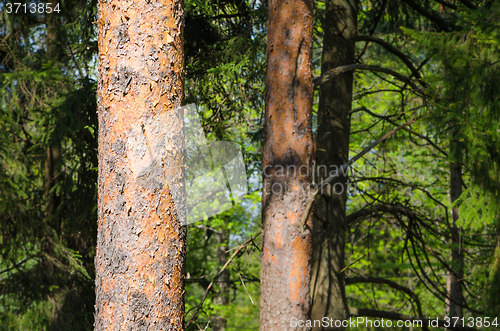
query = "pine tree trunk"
{"x": 287, "y": 165}
{"x": 454, "y": 280}
{"x": 140, "y": 258}
{"x": 327, "y": 280}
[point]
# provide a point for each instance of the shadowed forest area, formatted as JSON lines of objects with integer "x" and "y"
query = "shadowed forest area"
{"x": 392, "y": 108}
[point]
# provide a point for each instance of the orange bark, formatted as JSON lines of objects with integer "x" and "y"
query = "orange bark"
{"x": 140, "y": 258}
{"x": 288, "y": 145}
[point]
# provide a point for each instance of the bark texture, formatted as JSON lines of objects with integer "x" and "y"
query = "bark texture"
{"x": 455, "y": 279}
{"x": 287, "y": 161}
{"x": 327, "y": 279}
{"x": 140, "y": 259}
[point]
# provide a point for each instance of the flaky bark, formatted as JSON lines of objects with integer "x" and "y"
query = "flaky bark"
{"x": 140, "y": 258}
{"x": 327, "y": 281}
{"x": 287, "y": 160}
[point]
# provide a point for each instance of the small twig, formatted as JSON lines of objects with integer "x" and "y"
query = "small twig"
{"x": 17, "y": 265}
{"x": 242, "y": 282}
{"x": 240, "y": 247}
{"x": 204, "y": 227}
{"x": 347, "y": 267}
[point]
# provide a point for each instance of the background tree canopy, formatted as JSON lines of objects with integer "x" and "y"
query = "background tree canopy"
{"x": 420, "y": 235}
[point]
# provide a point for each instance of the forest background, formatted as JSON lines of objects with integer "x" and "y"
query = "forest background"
{"x": 419, "y": 231}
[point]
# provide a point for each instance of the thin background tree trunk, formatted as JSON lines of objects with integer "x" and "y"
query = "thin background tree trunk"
{"x": 335, "y": 99}
{"x": 454, "y": 280}
{"x": 140, "y": 259}
{"x": 222, "y": 296}
{"x": 493, "y": 289}
{"x": 53, "y": 153}
{"x": 289, "y": 146}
